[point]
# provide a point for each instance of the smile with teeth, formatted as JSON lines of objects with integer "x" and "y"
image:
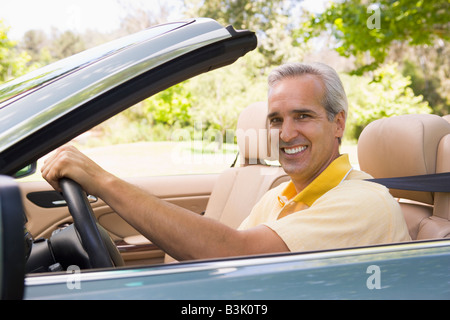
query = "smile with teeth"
{"x": 294, "y": 150}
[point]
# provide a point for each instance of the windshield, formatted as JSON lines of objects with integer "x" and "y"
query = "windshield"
{"x": 40, "y": 77}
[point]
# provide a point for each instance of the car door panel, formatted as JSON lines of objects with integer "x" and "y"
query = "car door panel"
{"x": 45, "y": 212}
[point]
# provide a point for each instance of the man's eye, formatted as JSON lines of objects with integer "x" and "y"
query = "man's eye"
{"x": 302, "y": 116}
{"x": 274, "y": 121}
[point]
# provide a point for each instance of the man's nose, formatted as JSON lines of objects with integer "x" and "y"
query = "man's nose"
{"x": 288, "y": 131}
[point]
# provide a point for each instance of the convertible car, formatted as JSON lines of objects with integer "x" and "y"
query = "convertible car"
{"x": 73, "y": 246}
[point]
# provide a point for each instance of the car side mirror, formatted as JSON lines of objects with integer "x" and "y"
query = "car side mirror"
{"x": 26, "y": 171}
{"x": 12, "y": 240}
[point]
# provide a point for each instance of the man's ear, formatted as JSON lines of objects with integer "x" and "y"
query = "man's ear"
{"x": 339, "y": 120}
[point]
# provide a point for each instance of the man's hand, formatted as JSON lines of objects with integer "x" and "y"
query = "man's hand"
{"x": 68, "y": 162}
{"x": 181, "y": 233}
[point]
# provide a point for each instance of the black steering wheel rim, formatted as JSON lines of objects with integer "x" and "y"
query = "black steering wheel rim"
{"x": 86, "y": 224}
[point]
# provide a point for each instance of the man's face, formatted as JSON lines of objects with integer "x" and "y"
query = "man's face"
{"x": 307, "y": 139}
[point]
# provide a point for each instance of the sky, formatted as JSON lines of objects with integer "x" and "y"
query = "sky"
{"x": 77, "y": 15}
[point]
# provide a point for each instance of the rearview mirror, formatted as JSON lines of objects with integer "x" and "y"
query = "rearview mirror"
{"x": 26, "y": 171}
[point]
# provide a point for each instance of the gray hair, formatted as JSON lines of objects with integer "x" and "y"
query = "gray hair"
{"x": 334, "y": 99}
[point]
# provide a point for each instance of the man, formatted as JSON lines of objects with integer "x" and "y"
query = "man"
{"x": 325, "y": 205}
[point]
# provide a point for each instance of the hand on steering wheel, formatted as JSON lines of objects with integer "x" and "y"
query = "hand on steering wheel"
{"x": 98, "y": 245}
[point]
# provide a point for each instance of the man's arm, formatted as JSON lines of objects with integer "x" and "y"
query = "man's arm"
{"x": 179, "y": 232}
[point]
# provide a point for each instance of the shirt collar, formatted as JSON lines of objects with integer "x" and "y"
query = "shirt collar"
{"x": 333, "y": 175}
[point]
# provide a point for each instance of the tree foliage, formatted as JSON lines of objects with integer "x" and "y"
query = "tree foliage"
{"x": 170, "y": 107}
{"x": 222, "y": 94}
{"x": 45, "y": 49}
{"x": 384, "y": 95}
{"x": 216, "y": 98}
{"x": 12, "y": 63}
{"x": 67, "y": 44}
{"x": 430, "y": 74}
{"x": 268, "y": 18}
{"x": 361, "y": 28}
{"x": 242, "y": 14}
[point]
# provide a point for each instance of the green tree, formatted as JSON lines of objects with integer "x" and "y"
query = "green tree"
{"x": 170, "y": 107}
{"x": 242, "y": 14}
{"x": 33, "y": 42}
{"x": 268, "y": 18}
{"x": 367, "y": 31}
{"x": 388, "y": 95}
{"x": 12, "y": 63}
{"x": 221, "y": 95}
{"x": 429, "y": 70}
{"x": 67, "y": 44}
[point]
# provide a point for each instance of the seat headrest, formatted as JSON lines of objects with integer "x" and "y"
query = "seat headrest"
{"x": 447, "y": 118}
{"x": 402, "y": 146}
{"x": 252, "y": 134}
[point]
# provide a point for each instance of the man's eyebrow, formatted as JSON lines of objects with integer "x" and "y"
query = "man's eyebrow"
{"x": 302, "y": 111}
{"x": 272, "y": 114}
{"x": 295, "y": 111}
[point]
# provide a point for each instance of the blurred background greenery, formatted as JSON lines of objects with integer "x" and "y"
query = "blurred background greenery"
{"x": 393, "y": 58}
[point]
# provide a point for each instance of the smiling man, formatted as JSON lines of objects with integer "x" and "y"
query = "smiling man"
{"x": 309, "y": 138}
{"x": 326, "y": 204}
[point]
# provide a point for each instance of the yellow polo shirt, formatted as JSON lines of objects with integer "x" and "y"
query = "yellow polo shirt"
{"x": 338, "y": 209}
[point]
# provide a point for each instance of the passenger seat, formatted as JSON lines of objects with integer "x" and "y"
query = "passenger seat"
{"x": 410, "y": 145}
{"x": 239, "y": 188}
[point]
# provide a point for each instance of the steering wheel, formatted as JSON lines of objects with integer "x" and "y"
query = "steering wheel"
{"x": 95, "y": 240}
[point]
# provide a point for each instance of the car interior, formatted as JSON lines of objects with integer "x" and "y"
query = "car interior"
{"x": 410, "y": 145}
{"x": 228, "y": 197}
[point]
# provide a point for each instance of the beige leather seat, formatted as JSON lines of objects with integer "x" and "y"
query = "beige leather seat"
{"x": 411, "y": 145}
{"x": 239, "y": 188}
